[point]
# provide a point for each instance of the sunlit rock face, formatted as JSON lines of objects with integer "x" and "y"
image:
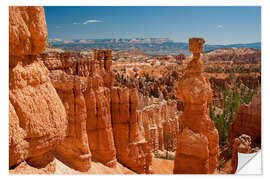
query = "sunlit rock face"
{"x": 109, "y": 111}
{"x": 83, "y": 84}
{"x": 160, "y": 122}
{"x": 27, "y": 30}
{"x": 133, "y": 150}
{"x": 37, "y": 117}
{"x": 197, "y": 146}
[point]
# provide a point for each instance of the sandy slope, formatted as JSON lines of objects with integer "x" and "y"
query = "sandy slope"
{"x": 159, "y": 166}
{"x": 57, "y": 167}
{"x": 162, "y": 166}
{"x": 96, "y": 168}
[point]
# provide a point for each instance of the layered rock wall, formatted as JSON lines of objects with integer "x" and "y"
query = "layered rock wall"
{"x": 237, "y": 55}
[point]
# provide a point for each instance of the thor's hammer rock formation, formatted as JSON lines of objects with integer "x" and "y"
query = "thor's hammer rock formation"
{"x": 197, "y": 146}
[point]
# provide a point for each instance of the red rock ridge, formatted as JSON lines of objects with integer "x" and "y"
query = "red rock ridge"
{"x": 238, "y": 55}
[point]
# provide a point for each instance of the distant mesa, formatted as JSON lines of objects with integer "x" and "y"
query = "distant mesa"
{"x": 149, "y": 46}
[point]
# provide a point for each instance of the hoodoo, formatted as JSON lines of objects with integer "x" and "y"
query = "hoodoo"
{"x": 198, "y": 141}
{"x": 81, "y": 85}
{"x": 37, "y": 117}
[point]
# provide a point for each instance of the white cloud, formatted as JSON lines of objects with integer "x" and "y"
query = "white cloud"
{"x": 57, "y": 39}
{"x": 219, "y": 26}
{"x": 91, "y": 21}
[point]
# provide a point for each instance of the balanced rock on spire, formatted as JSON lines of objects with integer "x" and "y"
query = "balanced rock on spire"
{"x": 197, "y": 148}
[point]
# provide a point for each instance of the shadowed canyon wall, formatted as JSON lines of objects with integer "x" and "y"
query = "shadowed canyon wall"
{"x": 248, "y": 121}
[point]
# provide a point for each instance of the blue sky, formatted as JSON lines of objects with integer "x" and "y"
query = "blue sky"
{"x": 218, "y": 25}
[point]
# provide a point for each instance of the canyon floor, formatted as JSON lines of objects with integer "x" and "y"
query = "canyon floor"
{"x": 160, "y": 166}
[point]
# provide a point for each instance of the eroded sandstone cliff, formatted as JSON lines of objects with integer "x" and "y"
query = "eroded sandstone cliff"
{"x": 37, "y": 117}
{"x": 83, "y": 84}
{"x": 160, "y": 121}
{"x": 132, "y": 148}
{"x": 122, "y": 125}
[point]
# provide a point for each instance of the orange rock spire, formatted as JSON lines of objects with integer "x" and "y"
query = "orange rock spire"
{"x": 197, "y": 146}
{"x": 41, "y": 127}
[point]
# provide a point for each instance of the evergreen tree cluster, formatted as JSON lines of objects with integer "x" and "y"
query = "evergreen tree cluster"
{"x": 233, "y": 98}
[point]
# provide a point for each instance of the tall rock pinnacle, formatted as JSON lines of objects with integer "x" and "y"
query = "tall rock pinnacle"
{"x": 197, "y": 148}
